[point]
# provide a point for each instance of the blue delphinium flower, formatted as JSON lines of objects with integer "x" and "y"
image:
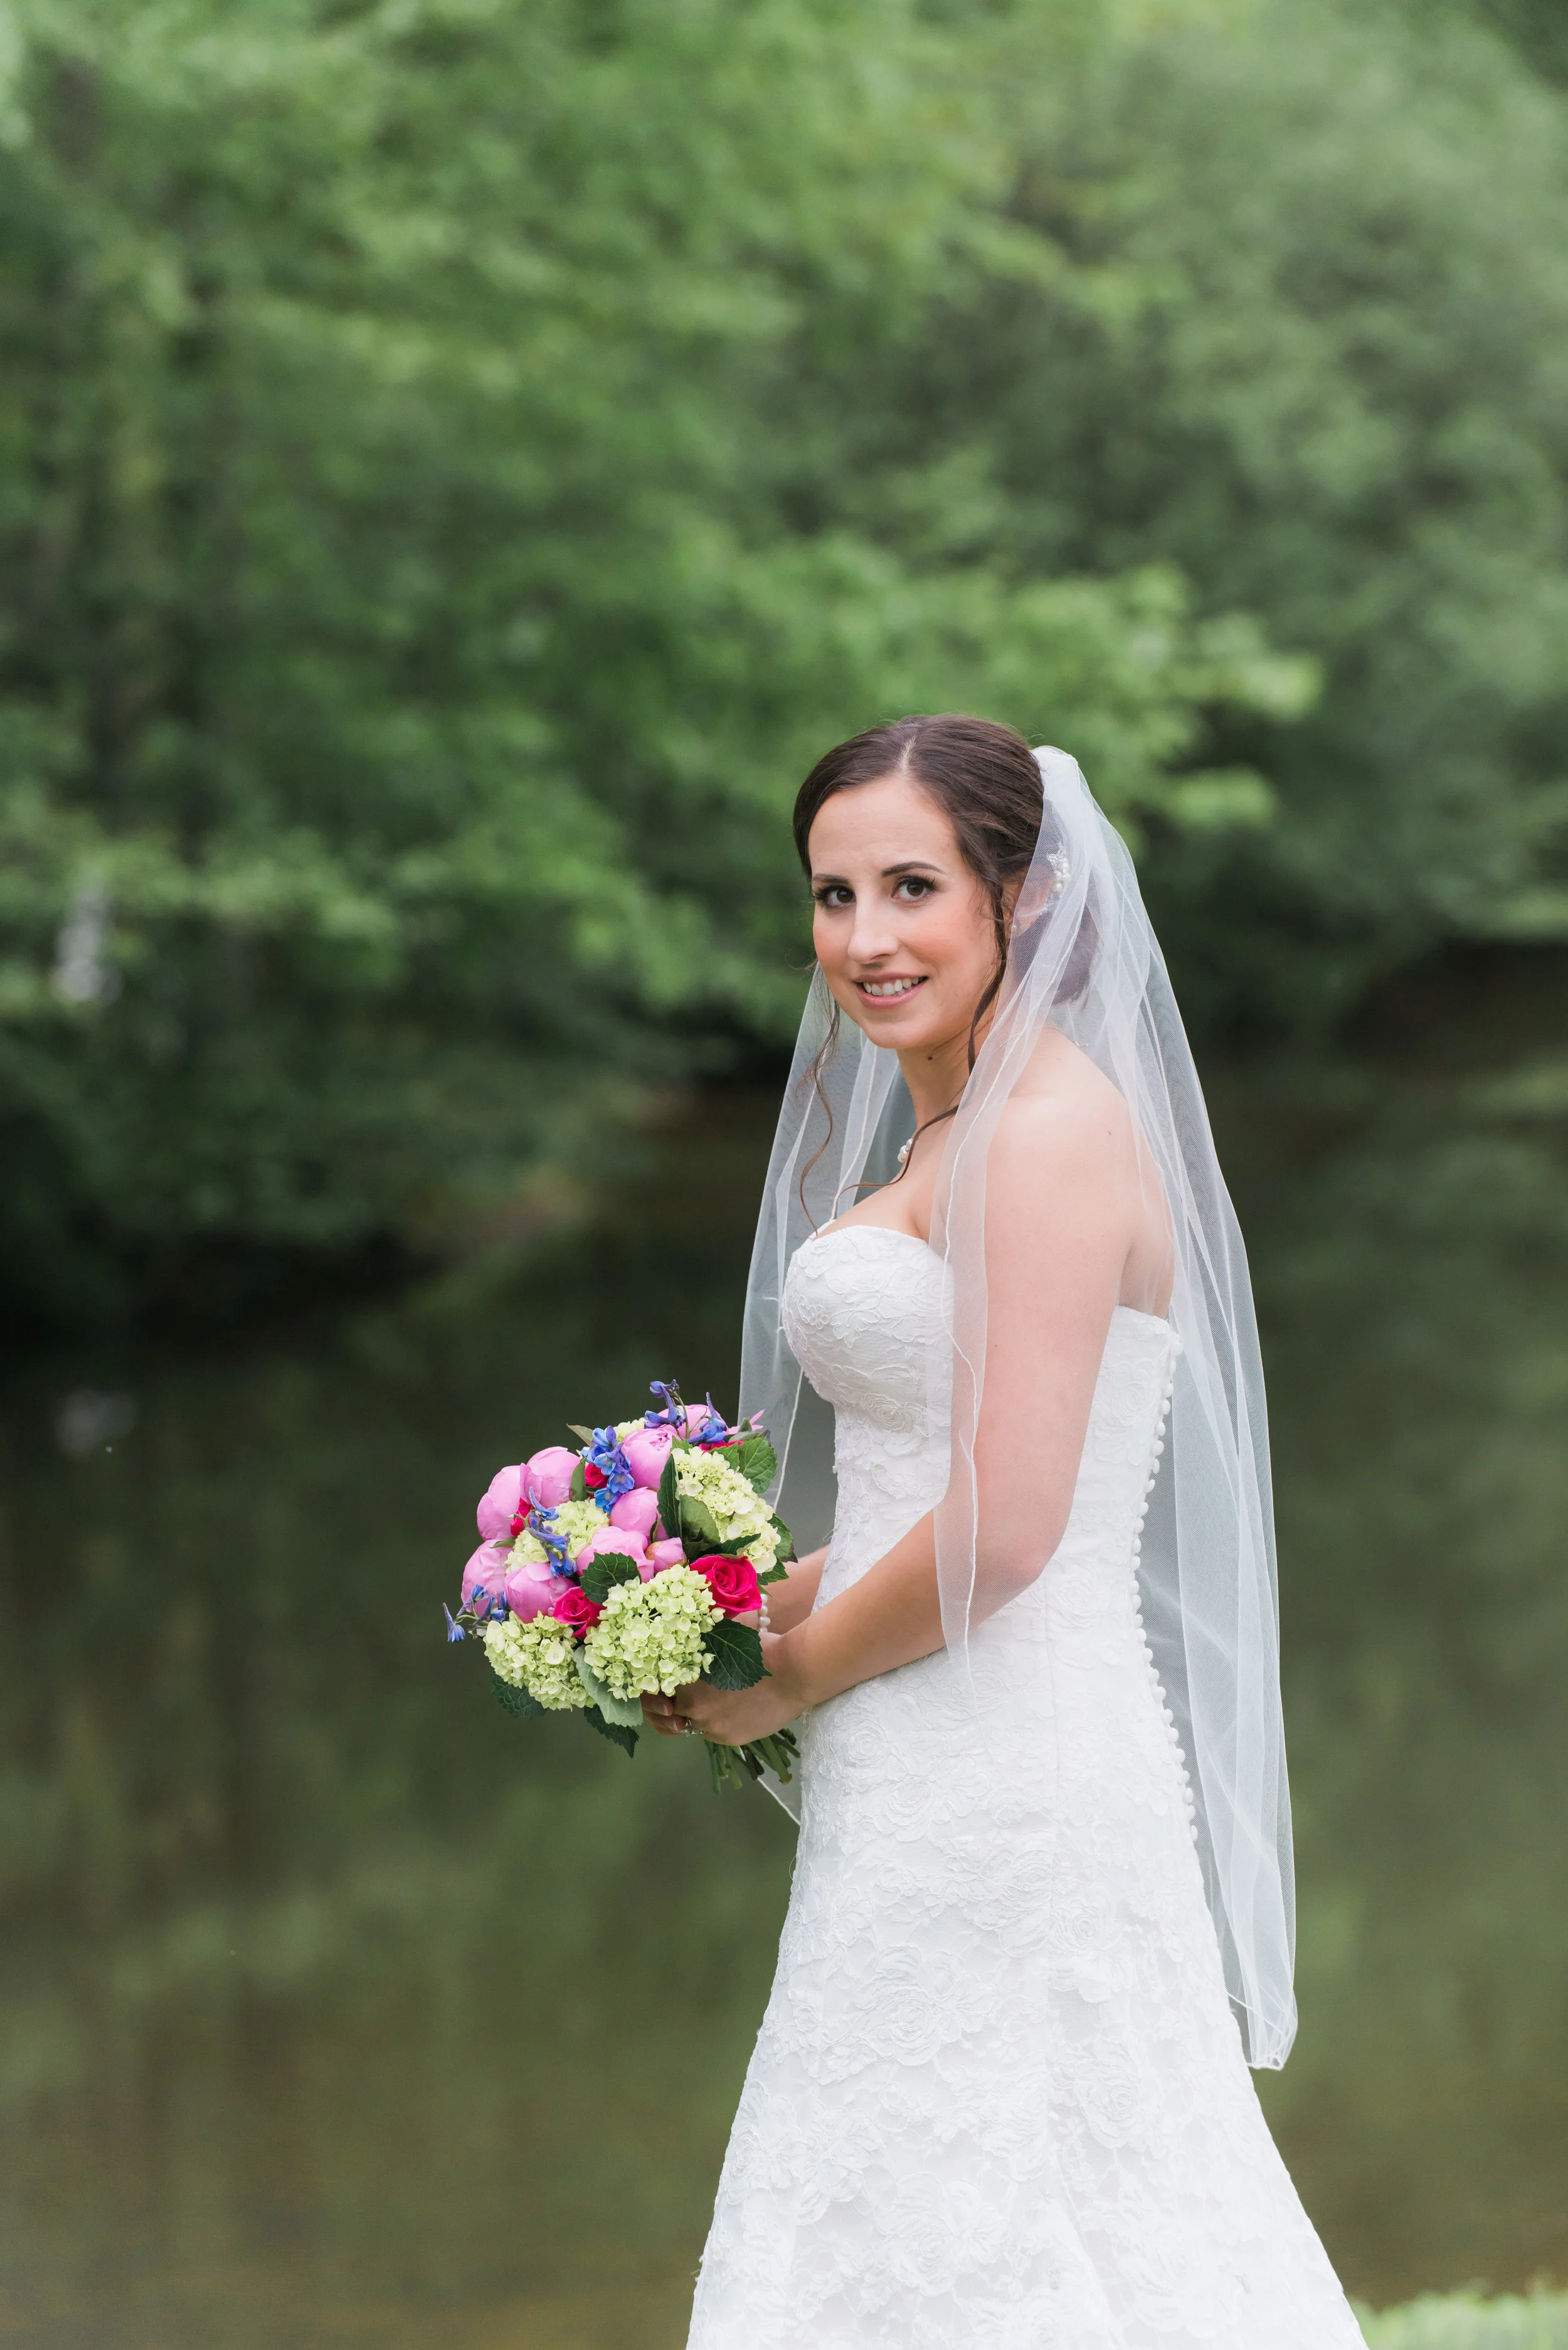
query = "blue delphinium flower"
{"x": 454, "y": 1630}
{"x": 542, "y": 1526}
{"x": 604, "y": 1453}
{"x": 714, "y": 1429}
{"x": 672, "y": 1414}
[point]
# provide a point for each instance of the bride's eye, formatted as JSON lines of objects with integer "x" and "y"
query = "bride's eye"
{"x": 916, "y": 887}
{"x": 832, "y": 895}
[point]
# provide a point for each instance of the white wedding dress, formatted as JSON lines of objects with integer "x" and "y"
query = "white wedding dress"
{"x": 999, "y": 2101}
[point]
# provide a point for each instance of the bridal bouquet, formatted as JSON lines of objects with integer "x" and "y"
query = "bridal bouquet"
{"x": 630, "y": 1566}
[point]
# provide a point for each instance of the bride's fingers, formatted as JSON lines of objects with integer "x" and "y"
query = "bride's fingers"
{"x": 660, "y": 1714}
{"x": 668, "y": 1715}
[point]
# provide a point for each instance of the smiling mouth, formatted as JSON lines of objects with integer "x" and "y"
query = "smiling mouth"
{"x": 887, "y": 991}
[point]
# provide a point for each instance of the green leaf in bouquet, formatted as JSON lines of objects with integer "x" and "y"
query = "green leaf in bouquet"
{"x": 617, "y": 1734}
{"x": 516, "y": 1701}
{"x": 737, "y": 1655}
{"x": 583, "y": 1435}
{"x": 625, "y": 1712}
{"x": 757, "y": 1462}
{"x": 774, "y": 1574}
{"x": 699, "y": 1528}
{"x": 669, "y": 1500}
{"x": 786, "y": 1540}
{"x": 579, "y": 1488}
{"x": 604, "y": 1571}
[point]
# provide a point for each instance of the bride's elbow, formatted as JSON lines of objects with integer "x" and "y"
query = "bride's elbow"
{"x": 1009, "y": 1559}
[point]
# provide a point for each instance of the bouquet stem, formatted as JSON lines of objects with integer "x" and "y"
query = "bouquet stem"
{"x": 737, "y": 1766}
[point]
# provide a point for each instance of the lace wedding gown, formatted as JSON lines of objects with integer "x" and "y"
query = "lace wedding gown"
{"x": 999, "y": 2101}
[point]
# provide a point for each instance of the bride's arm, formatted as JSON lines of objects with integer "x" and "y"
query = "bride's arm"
{"x": 791, "y": 1601}
{"x": 1059, "y": 1224}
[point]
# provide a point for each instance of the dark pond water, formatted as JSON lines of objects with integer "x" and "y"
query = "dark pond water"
{"x": 338, "y": 2008}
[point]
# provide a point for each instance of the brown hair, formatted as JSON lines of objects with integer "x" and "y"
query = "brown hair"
{"x": 985, "y": 780}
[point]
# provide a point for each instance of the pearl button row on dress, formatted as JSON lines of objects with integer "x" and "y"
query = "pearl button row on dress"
{"x": 1155, "y": 1682}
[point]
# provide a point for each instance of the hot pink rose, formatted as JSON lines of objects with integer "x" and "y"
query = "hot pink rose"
{"x": 647, "y": 1450}
{"x": 609, "y": 1537}
{"x": 576, "y": 1609}
{"x": 547, "y": 1475}
{"x": 486, "y": 1573}
{"x": 533, "y": 1591}
{"x": 732, "y": 1582}
{"x": 636, "y": 1513}
{"x": 501, "y": 1504}
{"x": 661, "y": 1555}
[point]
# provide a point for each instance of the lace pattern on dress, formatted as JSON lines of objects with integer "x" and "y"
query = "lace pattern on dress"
{"x": 998, "y": 2101}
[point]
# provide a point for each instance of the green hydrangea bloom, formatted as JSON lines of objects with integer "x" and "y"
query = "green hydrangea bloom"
{"x": 650, "y": 1633}
{"x": 737, "y": 1508}
{"x": 577, "y": 1521}
{"x": 527, "y": 1551}
{"x": 541, "y": 1657}
{"x": 763, "y": 1547}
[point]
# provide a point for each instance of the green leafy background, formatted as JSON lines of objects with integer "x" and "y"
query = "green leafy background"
{"x": 459, "y": 461}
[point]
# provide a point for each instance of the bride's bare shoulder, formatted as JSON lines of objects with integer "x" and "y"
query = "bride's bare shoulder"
{"x": 1066, "y": 1156}
{"x": 1063, "y": 1104}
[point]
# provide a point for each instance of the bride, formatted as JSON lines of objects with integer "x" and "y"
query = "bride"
{"x": 1041, "y": 1916}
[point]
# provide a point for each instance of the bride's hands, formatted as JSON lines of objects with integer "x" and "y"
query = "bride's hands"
{"x": 734, "y": 1717}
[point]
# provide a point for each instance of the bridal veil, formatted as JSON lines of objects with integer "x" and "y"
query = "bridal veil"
{"x": 1082, "y": 956}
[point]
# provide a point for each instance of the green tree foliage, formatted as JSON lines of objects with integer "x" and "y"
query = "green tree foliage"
{"x": 459, "y": 461}
{"x": 1309, "y": 344}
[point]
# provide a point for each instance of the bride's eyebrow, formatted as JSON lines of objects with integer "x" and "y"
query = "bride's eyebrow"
{"x": 910, "y": 865}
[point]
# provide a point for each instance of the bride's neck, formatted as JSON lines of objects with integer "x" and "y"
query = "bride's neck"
{"x": 936, "y": 1075}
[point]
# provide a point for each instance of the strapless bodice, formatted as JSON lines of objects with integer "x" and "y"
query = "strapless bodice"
{"x": 864, "y": 1313}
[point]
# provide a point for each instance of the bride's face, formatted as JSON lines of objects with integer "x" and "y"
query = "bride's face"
{"x": 903, "y": 928}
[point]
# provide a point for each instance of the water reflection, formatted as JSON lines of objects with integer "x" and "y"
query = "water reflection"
{"x": 339, "y": 2006}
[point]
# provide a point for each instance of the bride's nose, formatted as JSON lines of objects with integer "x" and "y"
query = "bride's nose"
{"x": 874, "y": 935}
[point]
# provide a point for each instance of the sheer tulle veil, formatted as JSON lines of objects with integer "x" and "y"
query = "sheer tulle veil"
{"x": 1207, "y": 1565}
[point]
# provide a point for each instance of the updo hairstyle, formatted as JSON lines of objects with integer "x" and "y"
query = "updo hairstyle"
{"x": 986, "y": 781}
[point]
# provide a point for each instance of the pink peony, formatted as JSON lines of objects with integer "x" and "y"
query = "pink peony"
{"x": 501, "y": 1504}
{"x": 647, "y": 1450}
{"x": 732, "y": 1582}
{"x": 533, "y": 1591}
{"x": 486, "y": 1573}
{"x": 576, "y": 1609}
{"x": 547, "y": 1476}
{"x": 610, "y": 1537}
{"x": 661, "y": 1555}
{"x": 636, "y": 1512}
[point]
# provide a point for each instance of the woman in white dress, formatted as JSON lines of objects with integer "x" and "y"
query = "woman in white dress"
{"x": 1041, "y": 1916}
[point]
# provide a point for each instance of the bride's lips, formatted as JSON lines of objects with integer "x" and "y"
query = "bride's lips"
{"x": 897, "y": 988}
